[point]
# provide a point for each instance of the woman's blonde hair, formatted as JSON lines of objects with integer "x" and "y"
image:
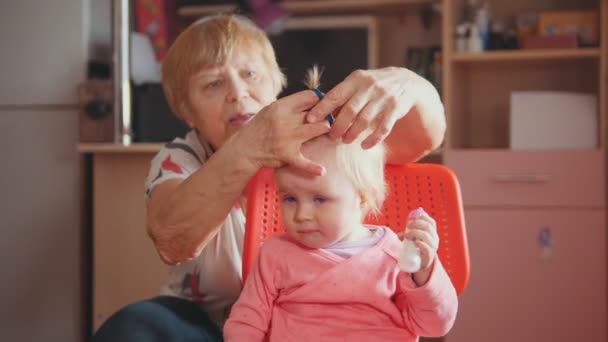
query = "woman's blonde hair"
{"x": 209, "y": 42}
{"x": 363, "y": 168}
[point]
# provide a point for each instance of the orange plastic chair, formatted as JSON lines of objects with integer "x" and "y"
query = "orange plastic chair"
{"x": 430, "y": 186}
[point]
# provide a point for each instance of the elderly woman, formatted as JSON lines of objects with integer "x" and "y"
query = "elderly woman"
{"x": 221, "y": 77}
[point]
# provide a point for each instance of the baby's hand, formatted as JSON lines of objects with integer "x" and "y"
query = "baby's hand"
{"x": 423, "y": 231}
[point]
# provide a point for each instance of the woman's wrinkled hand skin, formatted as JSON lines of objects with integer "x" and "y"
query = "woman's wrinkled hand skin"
{"x": 370, "y": 99}
{"x": 274, "y": 136}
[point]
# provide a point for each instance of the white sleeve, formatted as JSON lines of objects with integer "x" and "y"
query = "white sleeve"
{"x": 174, "y": 161}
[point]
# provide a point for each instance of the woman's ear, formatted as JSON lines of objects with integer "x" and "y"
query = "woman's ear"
{"x": 184, "y": 114}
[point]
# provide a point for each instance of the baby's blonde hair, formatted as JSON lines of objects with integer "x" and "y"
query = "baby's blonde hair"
{"x": 312, "y": 79}
{"x": 209, "y": 42}
{"x": 363, "y": 168}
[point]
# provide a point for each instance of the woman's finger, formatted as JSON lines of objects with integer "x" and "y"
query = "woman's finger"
{"x": 312, "y": 130}
{"x": 335, "y": 98}
{"x": 349, "y": 112}
{"x": 386, "y": 123}
{"x": 359, "y": 80}
{"x": 306, "y": 165}
{"x": 299, "y": 102}
{"x": 363, "y": 121}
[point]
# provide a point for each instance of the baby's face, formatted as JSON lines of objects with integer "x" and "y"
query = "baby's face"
{"x": 318, "y": 211}
{"x": 224, "y": 98}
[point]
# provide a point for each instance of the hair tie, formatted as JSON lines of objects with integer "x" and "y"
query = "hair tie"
{"x": 329, "y": 117}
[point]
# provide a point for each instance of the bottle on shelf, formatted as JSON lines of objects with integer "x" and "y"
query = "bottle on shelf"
{"x": 475, "y": 43}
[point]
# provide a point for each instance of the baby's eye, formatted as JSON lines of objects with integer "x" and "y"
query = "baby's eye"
{"x": 320, "y": 199}
{"x": 289, "y": 199}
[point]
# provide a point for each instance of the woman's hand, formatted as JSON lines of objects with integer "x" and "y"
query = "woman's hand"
{"x": 423, "y": 231}
{"x": 373, "y": 99}
{"x": 274, "y": 136}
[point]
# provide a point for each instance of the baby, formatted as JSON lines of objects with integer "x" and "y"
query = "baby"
{"x": 332, "y": 278}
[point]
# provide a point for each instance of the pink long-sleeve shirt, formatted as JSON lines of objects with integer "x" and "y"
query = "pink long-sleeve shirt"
{"x": 296, "y": 293}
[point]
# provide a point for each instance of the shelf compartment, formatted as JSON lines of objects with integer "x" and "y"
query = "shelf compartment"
{"x": 480, "y": 109}
{"x": 313, "y": 7}
{"x": 527, "y": 55}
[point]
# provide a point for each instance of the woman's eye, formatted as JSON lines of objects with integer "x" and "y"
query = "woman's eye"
{"x": 214, "y": 84}
{"x": 250, "y": 74}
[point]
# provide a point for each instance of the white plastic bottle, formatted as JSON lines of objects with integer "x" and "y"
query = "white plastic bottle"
{"x": 475, "y": 44}
{"x": 410, "y": 260}
{"x": 462, "y": 31}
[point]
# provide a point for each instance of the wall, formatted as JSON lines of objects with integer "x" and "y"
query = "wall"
{"x": 44, "y": 53}
{"x": 100, "y": 34}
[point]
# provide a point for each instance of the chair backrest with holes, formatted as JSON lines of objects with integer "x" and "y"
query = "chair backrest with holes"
{"x": 430, "y": 186}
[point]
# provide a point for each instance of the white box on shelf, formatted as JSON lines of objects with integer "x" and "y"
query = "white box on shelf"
{"x": 542, "y": 120}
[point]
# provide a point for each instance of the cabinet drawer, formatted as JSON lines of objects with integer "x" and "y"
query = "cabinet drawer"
{"x": 537, "y": 275}
{"x": 514, "y": 178}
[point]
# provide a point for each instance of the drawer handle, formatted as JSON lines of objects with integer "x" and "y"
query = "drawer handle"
{"x": 522, "y": 178}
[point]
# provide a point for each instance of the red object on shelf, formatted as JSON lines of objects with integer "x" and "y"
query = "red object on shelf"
{"x": 152, "y": 19}
{"x": 561, "y": 41}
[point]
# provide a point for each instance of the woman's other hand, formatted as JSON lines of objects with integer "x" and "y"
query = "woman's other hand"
{"x": 274, "y": 137}
{"x": 376, "y": 100}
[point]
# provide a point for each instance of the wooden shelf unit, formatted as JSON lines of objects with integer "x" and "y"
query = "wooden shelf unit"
{"x": 510, "y": 196}
{"x": 317, "y": 7}
{"x": 477, "y": 86}
{"x": 527, "y": 55}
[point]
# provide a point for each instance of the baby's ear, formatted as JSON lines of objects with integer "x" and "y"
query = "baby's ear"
{"x": 367, "y": 199}
{"x": 363, "y": 199}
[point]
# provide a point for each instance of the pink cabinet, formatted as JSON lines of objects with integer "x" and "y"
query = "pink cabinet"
{"x": 536, "y": 275}
{"x": 530, "y": 179}
{"x": 536, "y": 227}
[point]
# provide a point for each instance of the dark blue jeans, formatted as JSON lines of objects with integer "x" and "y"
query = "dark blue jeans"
{"x": 159, "y": 319}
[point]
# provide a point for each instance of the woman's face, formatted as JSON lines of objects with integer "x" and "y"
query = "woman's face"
{"x": 224, "y": 98}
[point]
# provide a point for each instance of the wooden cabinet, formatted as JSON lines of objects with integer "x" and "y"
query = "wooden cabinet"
{"x": 530, "y": 281}
{"x": 126, "y": 267}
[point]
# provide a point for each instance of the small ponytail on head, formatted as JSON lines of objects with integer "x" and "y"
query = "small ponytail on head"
{"x": 312, "y": 79}
{"x": 313, "y": 82}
